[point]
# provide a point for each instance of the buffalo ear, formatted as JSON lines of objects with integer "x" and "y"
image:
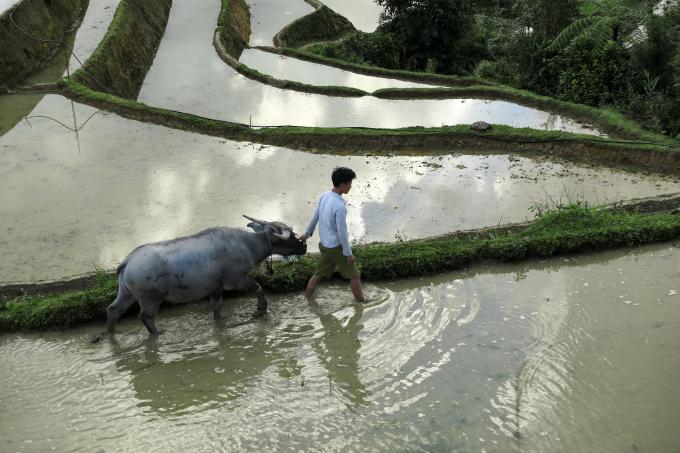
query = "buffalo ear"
{"x": 257, "y": 227}
{"x": 273, "y": 231}
{"x": 256, "y": 224}
{"x": 284, "y": 236}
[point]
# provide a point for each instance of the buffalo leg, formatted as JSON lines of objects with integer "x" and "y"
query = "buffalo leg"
{"x": 261, "y": 301}
{"x": 216, "y": 301}
{"x": 149, "y": 310}
{"x": 124, "y": 300}
{"x": 251, "y": 285}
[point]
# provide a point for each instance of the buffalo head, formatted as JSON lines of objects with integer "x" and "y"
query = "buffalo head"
{"x": 282, "y": 238}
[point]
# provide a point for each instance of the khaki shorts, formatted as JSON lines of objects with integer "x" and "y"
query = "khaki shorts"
{"x": 332, "y": 258}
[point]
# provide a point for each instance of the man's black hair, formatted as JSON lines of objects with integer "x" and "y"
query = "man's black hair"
{"x": 341, "y": 175}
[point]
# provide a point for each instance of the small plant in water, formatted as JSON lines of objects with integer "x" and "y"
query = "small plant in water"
{"x": 551, "y": 205}
{"x": 400, "y": 236}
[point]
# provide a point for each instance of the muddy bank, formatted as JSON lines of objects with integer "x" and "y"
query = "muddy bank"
{"x": 121, "y": 61}
{"x": 51, "y": 21}
{"x": 324, "y": 24}
{"x": 567, "y": 230}
{"x": 432, "y": 79}
{"x": 659, "y": 205}
{"x": 233, "y": 28}
{"x": 228, "y": 57}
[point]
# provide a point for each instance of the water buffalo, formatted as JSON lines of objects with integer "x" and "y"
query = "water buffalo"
{"x": 191, "y": 268}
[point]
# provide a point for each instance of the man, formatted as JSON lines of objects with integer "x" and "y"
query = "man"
{"x": 331, "y": 215}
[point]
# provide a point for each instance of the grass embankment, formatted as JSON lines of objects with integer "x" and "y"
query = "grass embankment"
{"x": 324, "y": 24}
{"x": 122, "y": 59}
{"x": 406, "y": 140}
{"x": 607, "y": 120}
{"x": 409, "y": 76}
{"x": 22, "y": 55}
{"x": 568, "y": 229}
{"x": 231, "y": 38}
{"x": 328, "y": 90}
{"x": 233, "y": 27}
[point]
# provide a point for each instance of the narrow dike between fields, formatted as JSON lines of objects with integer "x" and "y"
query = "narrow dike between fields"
{"x": 509, "y": 185}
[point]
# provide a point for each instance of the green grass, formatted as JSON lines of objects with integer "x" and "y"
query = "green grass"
{"x": 324, "y": 24}
{"x": 368, "y": 139}
{"x": 608, "y": 120}
{"x": 557, "y": 230}
{"x": 327, "y": 90}
{"x": 435, "y": 79}
{"x": 121, "y": 60}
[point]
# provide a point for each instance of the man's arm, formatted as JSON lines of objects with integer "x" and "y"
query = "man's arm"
{"x": 341, "y": 223}
{"x": 312, "y": 224}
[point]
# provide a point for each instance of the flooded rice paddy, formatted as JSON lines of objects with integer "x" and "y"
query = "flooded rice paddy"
{"x": 571, "y": 354}
{"x": 96, "y": 22}
{"x": 287, "y": 68}
{"x": 188, "y": 76}
{"x": 130, "y": 183}
{"x": 268, "y": 17}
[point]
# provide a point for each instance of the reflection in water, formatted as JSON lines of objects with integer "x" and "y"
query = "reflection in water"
{"x": 141, "y": 183}
{"x": 289, "y": 68}
{"x": 364, "y": 14}
{"x": 192, "y": 375}
{"x": 15, "y": 108}
{"x": 338, "y": 351}
{"x": 92, "y": 29}
{"x": 268, "y": 17}
{"x": 573, "y": 354}
{"x": 188, "y": 76}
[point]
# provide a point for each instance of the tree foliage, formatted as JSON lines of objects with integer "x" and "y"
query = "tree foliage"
{"x": 605, "y": 20}
{"x": 429, "y": 30}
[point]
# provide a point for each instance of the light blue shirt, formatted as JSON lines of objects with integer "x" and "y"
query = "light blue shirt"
{"x": 331, "y": 215}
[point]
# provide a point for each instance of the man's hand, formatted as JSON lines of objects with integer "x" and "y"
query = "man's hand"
{"x": 303, "y": 237}
{"x": 351, "y": 259}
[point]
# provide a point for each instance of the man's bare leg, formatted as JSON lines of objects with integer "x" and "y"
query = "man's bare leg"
{"x": 311, "y": 286}
{"x": 357, "y": 289}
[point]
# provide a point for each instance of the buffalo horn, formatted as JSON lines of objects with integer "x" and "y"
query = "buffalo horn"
{"x": 261, "y": 222}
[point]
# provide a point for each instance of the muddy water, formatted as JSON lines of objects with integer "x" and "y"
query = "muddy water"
{"x": 96, "y": 22}
{"x": 65, "y": 212}
{"x": 268, "y": 17}
{"x": 364, "y": 14}
{"x": 91, "y": 31}
{"x": 569, "y": 354}
{"x": 188, "y": 76}
{"x": 287, "y": 68}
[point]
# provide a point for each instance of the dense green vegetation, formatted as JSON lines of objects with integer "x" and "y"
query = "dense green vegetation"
{"x": 558, "y": 229}
{"x": 615, "y": 53}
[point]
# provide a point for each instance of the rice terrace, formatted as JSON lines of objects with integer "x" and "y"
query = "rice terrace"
{"x": 504, "y": 272}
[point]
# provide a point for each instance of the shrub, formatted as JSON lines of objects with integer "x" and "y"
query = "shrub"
{"x": 377, "y": 49}
{"x": 593, "y": 77}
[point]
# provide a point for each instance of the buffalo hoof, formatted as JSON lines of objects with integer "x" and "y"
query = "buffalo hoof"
{"x": 97, "y": 338}
{"x": 259, "y": 314}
